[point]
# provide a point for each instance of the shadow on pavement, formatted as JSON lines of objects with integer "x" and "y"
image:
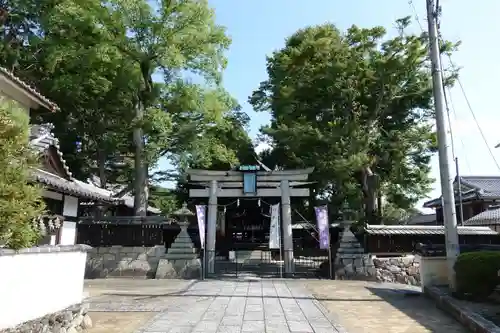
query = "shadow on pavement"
{"x": 415, "y": 305}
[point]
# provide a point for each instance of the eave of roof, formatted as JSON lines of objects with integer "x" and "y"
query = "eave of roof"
{"x": 389, "y": 230}
{"x": 36, "y": 96}
{"x": 69, "y": 186}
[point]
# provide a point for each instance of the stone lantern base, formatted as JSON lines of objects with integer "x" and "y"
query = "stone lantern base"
{"x": 181, "y": 260}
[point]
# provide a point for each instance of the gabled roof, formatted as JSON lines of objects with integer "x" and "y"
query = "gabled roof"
{"x": 32, "y": 92}
{"x": 41, "y": 138}
{"x": 474, "y": 188}
{"x": 488, "y": 217}
{"x": 44, "y": 142}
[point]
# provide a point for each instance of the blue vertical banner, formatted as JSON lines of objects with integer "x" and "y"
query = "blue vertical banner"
{"x": 323, "y": 226}
{"x": 201, "y": 213}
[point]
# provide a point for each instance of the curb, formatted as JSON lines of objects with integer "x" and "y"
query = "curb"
{"x": 474, "y": 322}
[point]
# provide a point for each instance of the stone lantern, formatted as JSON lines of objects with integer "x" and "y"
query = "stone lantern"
{"x": 183, "y": 214}
{"x": 181, "y": 260}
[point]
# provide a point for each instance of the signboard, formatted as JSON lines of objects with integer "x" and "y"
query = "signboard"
{"x": 275, "y": 228}
{"x": 249, "y": 168}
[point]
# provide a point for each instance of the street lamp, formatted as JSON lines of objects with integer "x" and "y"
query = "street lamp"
{"x": 498, "y": 145}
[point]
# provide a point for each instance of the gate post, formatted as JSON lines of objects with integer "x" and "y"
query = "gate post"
{"x": 286, "y": 218}
{"x": 211, "y": 227}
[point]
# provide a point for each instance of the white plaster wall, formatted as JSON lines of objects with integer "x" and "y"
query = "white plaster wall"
{"x": 433, "y": 271}
{"x": 36, "y": 284}
{"x": 68, "y": 233}
{"x": 9, "y": 91}
{"x": 70, "y": 206}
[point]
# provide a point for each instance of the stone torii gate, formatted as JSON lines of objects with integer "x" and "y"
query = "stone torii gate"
{"x": 249, "y": 182}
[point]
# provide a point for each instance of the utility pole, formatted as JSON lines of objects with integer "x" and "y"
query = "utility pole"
{"x": 449, "y": 213}
{"x": 460, "y": 201}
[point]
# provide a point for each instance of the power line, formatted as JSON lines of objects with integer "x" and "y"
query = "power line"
{"x": 474, "y": 115}
{"x": 412, "y": 5}
{"x": 438, "y": 10}
{"x": 452, "y": 106}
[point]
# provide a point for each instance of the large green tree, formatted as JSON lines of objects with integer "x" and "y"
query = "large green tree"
{"x": 358, "y": 107}
{"x": 97, "y": 61}
{"x": 171, "y": 37}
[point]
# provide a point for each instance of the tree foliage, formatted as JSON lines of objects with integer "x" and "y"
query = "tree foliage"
{"x": 20, "y": 201}
{"x": 123, "y": 67}
{"x": 352, "y": 105}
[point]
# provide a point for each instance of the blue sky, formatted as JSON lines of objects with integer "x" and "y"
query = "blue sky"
{"x": 259, "y": 27}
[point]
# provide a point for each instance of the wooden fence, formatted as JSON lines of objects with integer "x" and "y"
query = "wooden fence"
{"x": 131, "y": 231}
{"x": 97, "y": 235}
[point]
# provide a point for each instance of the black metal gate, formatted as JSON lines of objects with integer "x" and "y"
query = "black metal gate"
{"x": 266, "y": 263}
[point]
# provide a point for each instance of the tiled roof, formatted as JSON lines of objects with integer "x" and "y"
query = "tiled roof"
{"x": 30, "y": 90}
{"x": 488, "y": 217}
{"x": 488, "y": 186}
{"x": 477, "y": 187}
{"x": 41, "y": 138}
{"x": 421, "y": 219}
{"x": 127, "y": 200}
{"x": 424, "y": 230}
{"x": 69, "y": 186}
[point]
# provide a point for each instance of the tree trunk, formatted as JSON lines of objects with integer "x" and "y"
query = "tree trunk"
{"x": 101, "y": 161}
{"x": 140, "y": 193}
{"x": 101, "y": 164}
{"x": 370, "y": 187}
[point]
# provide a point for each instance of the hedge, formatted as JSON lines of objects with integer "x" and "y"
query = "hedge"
{"x": 477, "y": 274}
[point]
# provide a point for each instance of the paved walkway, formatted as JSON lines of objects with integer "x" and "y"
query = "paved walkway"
{"x": 168, "y": 306}
{"x": 234, "y": 307}
{"x": 382, "y": 308}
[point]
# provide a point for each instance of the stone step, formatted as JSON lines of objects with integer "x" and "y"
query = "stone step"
{"x": 182, "y": 245}
{"x": 350, "y": 244}
{"x": 180, "y": 256}
{"x": 181, "y": 250}
{"x": 351, "y": 250}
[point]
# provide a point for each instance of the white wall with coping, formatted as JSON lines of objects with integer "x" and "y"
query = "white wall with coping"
{"x": 68, "y": 229}
{"x": 433, "y": 271}
{"x": 39, "y": 281}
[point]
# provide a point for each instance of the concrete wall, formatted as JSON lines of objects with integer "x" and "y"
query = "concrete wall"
{"x": 433, "y": 271}
{"x": 38, "y": 281}
{"x": 123, "y": 261}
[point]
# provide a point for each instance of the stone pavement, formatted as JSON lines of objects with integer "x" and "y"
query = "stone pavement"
{"x": 381, "y": 307}
{"x": 241, "y": 306}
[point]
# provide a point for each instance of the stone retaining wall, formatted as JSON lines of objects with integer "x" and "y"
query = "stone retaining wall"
{"x": 404, "y": 270}
{"x": 123, "y": 261}
{"x": 72, "y": 320}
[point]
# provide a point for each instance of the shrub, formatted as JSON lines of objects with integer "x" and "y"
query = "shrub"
{"x": 20, "y": 201}
{"x": 477, "y": 273}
